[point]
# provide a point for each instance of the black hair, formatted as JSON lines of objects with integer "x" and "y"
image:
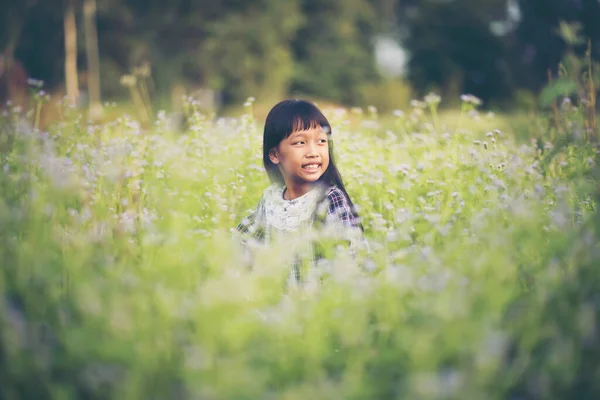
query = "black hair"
{"x": 290, "y": 116}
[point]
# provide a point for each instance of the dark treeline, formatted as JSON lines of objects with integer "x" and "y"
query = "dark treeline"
{"x": 494, "y": 49}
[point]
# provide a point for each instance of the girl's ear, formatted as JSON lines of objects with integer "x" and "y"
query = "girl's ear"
{"x": 274, "y": 155}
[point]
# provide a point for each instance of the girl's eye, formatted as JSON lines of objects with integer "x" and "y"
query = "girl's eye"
{"x": 298, "y": 143}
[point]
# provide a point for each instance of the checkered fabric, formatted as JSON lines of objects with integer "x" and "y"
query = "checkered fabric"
{"x": 333, "y": 213}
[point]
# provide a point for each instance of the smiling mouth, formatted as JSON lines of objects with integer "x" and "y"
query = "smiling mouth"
{"x": 311, "y": 166}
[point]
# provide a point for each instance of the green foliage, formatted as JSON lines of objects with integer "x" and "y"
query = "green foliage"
{"x": 562, "y": 87}
{"x": 248, "y": 53}
{"x": 525, "y": 100}
{"x": 261, "y": 48}
{"x": 120, "y": 279}
{"x": 453, "y": 50}
{"x": 333, "y": 50}
{"x": 571, "y": 33}
{"x": 576, "y": 88}
{"x": 387, "y": 95}
{"x": 548, "y": 28}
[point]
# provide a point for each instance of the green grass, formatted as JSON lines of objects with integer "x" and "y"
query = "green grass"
{"x": 121, "y": 279}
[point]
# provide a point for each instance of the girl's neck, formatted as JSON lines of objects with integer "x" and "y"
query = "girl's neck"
{"x": 293, "y": 191}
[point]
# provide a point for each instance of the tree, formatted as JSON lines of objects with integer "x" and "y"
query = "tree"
{"x": 452, "y": 49}
{"x": 247, "y": 52}
{"x": 261, "y": 48}
{"x": 70, "y": 26}
{"x": 93, "y": 55}
{"x": 13, "y": 75}
{"x": 538, "y": 46}
{"x": 333, "y": 50}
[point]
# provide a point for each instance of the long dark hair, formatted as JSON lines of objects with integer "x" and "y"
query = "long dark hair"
{"x": 289, "y": 116}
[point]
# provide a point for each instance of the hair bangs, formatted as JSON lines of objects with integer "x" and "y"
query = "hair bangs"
{"x": 291, "y": 116}
{"x": 310, "y": 121}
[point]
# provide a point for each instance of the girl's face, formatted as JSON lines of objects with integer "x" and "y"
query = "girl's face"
{"x": 302, "y": 157}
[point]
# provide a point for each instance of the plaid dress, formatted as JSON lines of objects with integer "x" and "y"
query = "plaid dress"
{"x": 325, "y": 208}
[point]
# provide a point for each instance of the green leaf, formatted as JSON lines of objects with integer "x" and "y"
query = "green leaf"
{"x": 559, "y": 87}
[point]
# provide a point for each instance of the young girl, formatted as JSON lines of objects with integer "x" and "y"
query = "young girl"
{"x": 307, "y": 190}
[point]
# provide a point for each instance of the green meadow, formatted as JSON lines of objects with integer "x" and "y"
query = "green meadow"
{"x": 121, "y": 278}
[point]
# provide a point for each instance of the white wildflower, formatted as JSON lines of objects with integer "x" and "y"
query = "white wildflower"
{"x": 432, "y": 99}
{"x": 470, "y": 99}
{"x": 418, "y": 104}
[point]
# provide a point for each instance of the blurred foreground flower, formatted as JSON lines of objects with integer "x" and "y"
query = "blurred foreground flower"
{"x": 470, "y": 99}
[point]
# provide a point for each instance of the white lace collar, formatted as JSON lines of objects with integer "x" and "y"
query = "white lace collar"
{"x": 289, "y": 215}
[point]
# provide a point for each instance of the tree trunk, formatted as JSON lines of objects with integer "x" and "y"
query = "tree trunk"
{"x": 13, "y": 79}
{"x": 93, "y": 56}
{"x": 70, "y": 26}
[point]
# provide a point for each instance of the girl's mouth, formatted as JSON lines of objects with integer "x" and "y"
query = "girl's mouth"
{"x": 313, "y": 167}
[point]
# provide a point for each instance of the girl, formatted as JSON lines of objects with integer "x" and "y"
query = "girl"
{"x": 307, "y": 189}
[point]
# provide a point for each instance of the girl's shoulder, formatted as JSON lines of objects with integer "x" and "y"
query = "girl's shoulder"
{"x": 335, "y": 197}
{"x": 334, "y": 190}
{"x": 253, "y": 223}
{"x": 333, "y": 200}
{"x": 274, "y": 191}
{"x": 338, "y": 207}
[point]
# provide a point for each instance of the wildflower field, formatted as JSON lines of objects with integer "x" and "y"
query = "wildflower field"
{"x": 120, "y": 277}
